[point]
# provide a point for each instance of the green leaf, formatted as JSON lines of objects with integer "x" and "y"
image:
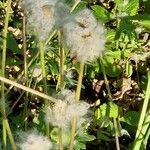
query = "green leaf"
{"x": 86, "y": 137}
{"x": 12, "y": 62}
{"x": 111, "y": 69}
{"x": 114, "y": 110}
{"x": 12, "y": 44}
{"x": 145, "y": 23}
{"x": 128, "y": 6}
{"x": 53, "y": 66}
{"x": 79, "y": 145}
{"x": 129, "y": 69}
{"x": 111, "y": 110}
{"x": 132, "y": 7}
{"x": 65, "y": 136}
{"x": 127, "y": 28}
{"x": 102, "y": 14}
{"x": 131, "y": 118}
{"x": 114, "y": 54}
{"x": 110, "y": 35}
{"x": 103, "y": 136}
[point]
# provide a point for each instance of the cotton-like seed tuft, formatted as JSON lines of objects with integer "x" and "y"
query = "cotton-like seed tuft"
{"x": 84, "y": 36}
{"x": 57, "y": 115}
{"x": 34, "y": 141}
{"x": 45, "y": 15}
{"x": 40, "y": 16}
{"x": 62, "y": 113}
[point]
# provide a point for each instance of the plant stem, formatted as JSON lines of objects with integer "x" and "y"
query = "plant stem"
{"x": 42, "y": 52}
{"x": 78, "y": 92}
{"x": 60, "y": 139}
{"x": 147, "y": 135}
{"x": 25, "y": 72}
{"x": 3, "y": 101}
{"x": 10, "y": 134}
{"x": 61, "y": 63}
{"x": 79, "y": 85}
{"x": 137, "y": 142}
{"x": 110, "y": 97}
{"x": 20, "y": 86}
{"x": 73, "y": 131}
{"x": 4, "y": 135}
{"x": 75, "y": 5}
{"x": 30, "y": 63}
{"x": 60, "y": 83}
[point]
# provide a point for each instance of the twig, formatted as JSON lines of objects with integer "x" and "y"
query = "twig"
{"x": 20, "y": 86}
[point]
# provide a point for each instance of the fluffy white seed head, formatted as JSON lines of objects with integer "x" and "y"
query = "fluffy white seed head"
{"x": 64, "y": 110}
{"x": 44, "y": 15}
{"x": 57, "y": 115}
{"x": 68, "y": 96}
{"x": 34, "y": 141}
{"x": 84, "y": 36}
{"x": 40, "y": 16}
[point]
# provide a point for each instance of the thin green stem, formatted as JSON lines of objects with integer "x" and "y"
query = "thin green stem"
{"x": 75, "y": 5}
{"x": 13, "y": 145}
{"x": 147, "y": 136}
{"x": 4, "y": 135}
{"x": 79, "y": 85}
{"x": 60, "y": 83}
{"x": 42, "y": 52}
{"x": 78, "y": 92}
{"x": 110, "y": 97}
{"x": 25, "y": 72}
{"x": 73, "y": 131}
{"x": 3, "y": 101}
{"x": 60, "y": 139}
{"x": 137, "y": 142}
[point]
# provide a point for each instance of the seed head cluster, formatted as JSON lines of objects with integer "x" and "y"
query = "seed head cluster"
{"x": 34, "y": 141}
{"x": 62, "y": 113}
{"x": 44, "y": 15}
{"x": 84, "y": 36}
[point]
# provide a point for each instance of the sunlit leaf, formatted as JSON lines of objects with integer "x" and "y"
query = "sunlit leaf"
{"x": 131, "y": 118}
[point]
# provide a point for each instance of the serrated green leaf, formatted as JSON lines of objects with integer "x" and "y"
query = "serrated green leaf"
{"x": 128, "y": 6}
{"x": 132, "y": 7}
{"x": 111, "y": 110}
{"x": 101, "y": 13}
{"x": 127, "y": 28}
{"x": 131, "y": 118}
{"x": 114, "y": 110}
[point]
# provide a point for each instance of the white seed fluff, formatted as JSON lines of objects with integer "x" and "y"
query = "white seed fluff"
{"x": 84, "y": 36}
{"x": 57, "y": 115}
{"x": 40, "y": 16}
{"x": 64, "y": 110}
{"x": 34, "y": 141}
